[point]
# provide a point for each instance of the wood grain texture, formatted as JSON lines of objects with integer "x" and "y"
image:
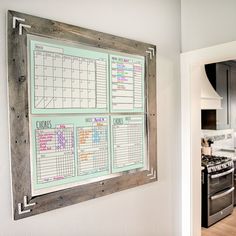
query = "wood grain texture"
{"x": 19, "y": 113}
{"x": 225, "y": 227}
{"x": 19, "y": 119}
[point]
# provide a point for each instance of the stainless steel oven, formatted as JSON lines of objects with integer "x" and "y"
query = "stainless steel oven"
{"x": 234, "y": 182}
{"x": 219, "y": 181}
{"x": 217, "y": 192}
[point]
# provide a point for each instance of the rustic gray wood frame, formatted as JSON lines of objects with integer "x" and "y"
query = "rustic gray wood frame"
{"x": 19, "y": 25}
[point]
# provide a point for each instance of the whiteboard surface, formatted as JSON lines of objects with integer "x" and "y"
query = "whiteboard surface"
{"x": 87, "y": 114}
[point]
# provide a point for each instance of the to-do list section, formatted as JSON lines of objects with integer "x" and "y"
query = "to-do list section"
{"x": 127, "y": 84}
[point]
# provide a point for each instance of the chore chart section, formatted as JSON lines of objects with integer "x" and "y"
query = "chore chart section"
{"x": 127, "y": 83}
{"x": 128, "y": 143}
{"x": 68, "y": 151}
{"x": 54, "y": 153}
{"x": 66, "y": 79}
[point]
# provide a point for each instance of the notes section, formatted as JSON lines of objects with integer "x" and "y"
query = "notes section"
{"x": 67, "y": 79}
{"x": 127, "y": 84}
{"x": 68, "y": 150}
{"x": 127, "y": 142}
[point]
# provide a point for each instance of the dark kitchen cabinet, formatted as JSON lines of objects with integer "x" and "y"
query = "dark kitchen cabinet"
{"x": 233, "y": 97}
{"x": 223, "y": 89}
{"x": 234, "y": 182}
{"x": 223, "y": 78}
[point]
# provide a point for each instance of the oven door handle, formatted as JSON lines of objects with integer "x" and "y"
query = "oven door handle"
{"x": 222, "y": 194}
{"x": 222, "y": 174}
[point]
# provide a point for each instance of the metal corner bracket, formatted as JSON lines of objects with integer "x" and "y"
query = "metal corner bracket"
{"x": 25, "y": 204}
{"x": 150, "y": 52}
{"x": 21, "y": 26}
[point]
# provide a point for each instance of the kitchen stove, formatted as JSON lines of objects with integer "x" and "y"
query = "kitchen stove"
{"x": 216, "y": 163}
{"x": 217, "y": 188}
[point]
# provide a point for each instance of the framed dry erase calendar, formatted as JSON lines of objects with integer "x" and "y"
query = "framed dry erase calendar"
{"x": 82, "y": 107}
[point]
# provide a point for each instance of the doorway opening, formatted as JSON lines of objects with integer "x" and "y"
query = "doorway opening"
{"x": 191, "y": 130}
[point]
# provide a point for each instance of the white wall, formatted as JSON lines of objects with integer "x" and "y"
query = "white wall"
{"x": 152, "y": 209}
{"x": 206, "y": 23}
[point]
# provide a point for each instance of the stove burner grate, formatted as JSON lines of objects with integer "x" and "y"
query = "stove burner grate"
{"x": 216, "y": 163}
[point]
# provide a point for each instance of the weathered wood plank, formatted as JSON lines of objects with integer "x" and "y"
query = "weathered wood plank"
{"x": 70, "y": 33}
{"x": 19, "y": 120}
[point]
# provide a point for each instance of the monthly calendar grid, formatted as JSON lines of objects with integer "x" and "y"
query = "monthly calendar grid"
{"x": 63, "y": 81}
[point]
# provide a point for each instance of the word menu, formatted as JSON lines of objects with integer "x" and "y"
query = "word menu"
{"x": 87, "y": 114}
{"x": 126, "y": 84}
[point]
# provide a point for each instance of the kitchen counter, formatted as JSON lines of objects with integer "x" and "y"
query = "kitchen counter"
{"x": 227, "y": 153}
{"x": 223, "y": 142}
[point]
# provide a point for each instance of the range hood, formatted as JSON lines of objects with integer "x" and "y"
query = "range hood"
{"x": 210, "y": 99}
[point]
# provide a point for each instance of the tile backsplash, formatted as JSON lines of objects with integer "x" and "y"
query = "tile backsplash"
{"x": 223, "y": 139}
